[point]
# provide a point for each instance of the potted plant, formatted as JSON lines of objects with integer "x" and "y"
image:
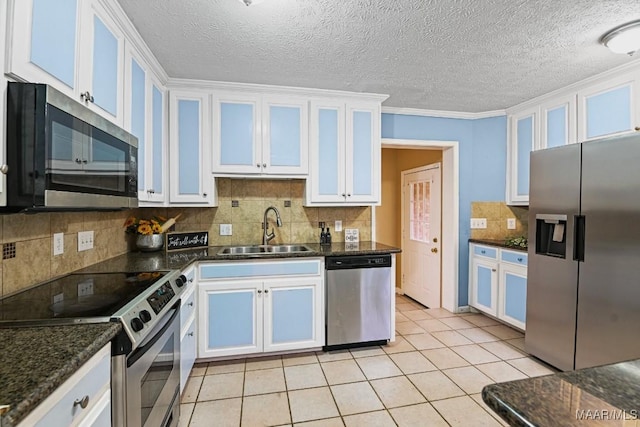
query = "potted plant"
{"x": 149, "y": 232}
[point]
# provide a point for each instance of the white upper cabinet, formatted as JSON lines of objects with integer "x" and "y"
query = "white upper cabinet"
{"x": 523, "y": 131}
{"x": 259, "y": 135}
{"x": 558, "y": 122}
{"x": 190, "y": 149}
{"x": 72, "y": 45}
{"x": 145, "y": 118}
{"x": 610, "y": 107}
{"x": 344, "y": 153}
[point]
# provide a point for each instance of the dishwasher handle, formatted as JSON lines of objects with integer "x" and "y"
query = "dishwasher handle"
{"x": 361, "y": 261}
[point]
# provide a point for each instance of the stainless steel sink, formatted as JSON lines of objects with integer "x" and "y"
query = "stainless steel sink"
{"x": 262, "y": 249}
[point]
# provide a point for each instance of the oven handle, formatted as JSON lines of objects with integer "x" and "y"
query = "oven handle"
{"x": 140, "y": 351}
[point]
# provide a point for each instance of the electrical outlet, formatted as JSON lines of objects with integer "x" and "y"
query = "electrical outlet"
{"x": 58, "y": 243}
{"x": 85, "y": 288}
{"x": 226, "y": 229}
{"x": 478, "y": 223}
{"x": 511, "y": 223}
{"x": 85, "y": 240}
{"x": 338, "y": 225}
{"x": 58, "y": 298}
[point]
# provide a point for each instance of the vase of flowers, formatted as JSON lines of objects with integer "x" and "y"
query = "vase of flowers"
{"x": 149, "y": 232}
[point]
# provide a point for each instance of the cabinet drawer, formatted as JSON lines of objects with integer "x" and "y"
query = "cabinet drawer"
{"x": 91, "y": 380}
{"x": 257, "y": 269}
{"x": 519, "y": 258}
{"x": 187, "y": 309}
{"x": 485, "y": 251}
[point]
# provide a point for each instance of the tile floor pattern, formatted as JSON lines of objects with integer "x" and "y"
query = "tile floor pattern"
{"x": 432, "y": 375}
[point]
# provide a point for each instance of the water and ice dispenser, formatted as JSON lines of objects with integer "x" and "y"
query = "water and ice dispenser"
{"x": 551, "y": 235}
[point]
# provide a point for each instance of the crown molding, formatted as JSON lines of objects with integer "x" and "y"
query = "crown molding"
{"x": 253, "y": 88}
{"x": 442, "y": 113}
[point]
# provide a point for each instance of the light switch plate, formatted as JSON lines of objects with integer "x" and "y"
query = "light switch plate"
{"x": 226, "y": 229}
{"x": 85, "y": 240}
{"x": 478, "y": 223}
{"x": 338, "y": 225}
{"x": 511, "y": 223}
{"x": 58, "y": 243}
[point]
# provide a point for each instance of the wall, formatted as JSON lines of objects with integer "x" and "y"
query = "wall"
{"x": 33, "y": 237}
{"x": 496, "y": 214}
{"x": 388, "y": 219}
{"x": 482, "y": 163}
{"x": 299, "y": 223}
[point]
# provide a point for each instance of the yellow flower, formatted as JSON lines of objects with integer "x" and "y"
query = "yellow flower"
{"x": 144, "y": 228}
{"x": 129, "y": 222}
{"x": 157, "y": 228}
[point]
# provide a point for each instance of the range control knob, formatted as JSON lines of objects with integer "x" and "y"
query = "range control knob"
{"x": 145, "y": 316}
{"x": 136, "y": 324}
{"x": 180, "y": 281}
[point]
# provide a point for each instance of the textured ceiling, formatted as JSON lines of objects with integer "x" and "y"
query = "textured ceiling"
{"x": 458, "y": 55}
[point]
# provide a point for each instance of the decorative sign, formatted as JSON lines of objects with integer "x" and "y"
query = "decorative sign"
{"x": 187, "y": 240}
{"x": 351, "y": 235}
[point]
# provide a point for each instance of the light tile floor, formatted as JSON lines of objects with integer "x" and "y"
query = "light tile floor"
{"x": 432, "y": 375}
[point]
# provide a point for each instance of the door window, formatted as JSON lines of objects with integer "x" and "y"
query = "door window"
{"x": 420, "y": 210}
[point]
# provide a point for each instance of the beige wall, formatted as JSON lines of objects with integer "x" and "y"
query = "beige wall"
{"x": 496, "y": 214}
{"x": 388, "y": 221}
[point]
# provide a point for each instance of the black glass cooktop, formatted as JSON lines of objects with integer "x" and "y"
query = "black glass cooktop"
{"x": 77, "y": 296}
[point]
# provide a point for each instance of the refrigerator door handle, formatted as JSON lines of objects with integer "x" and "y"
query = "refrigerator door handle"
{"x": 579, "y": 237}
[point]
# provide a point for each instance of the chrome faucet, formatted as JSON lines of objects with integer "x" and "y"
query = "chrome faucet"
{"x": 266, "y": 237}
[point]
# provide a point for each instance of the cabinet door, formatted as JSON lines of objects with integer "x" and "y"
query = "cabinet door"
{"x": 190, "y": 161}
{"x": 558, "y": 122}
{"x": 43, "y": 42}
{"x": 156, "y": 131}
{"x": 230, "y": 318}
{"x": 293, "y": 314}
{"x": 609, "y": 108}
{"x": 326, "y": 182}
{"x": 102, "y": 56}
{"x": 236, "y": 141}
{"x": 513, "y": 295}
{"x": 187, "y": 353}
{"x": 285, "y": 142}
{"x": 523, "y": 139}
{"x": 136, "y": 117}
{"x": 484, "y": 285}
{"x": 362, "y": 157}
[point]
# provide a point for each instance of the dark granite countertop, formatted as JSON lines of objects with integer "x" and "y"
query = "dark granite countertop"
{"x": 146, "y": 261}
{"x": 34, "y": 361}
{"x": 499, "y": 243}
{"x": 586, "y": 397}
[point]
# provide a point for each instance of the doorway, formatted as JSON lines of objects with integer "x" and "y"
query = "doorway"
{"x": 421, "y": 234}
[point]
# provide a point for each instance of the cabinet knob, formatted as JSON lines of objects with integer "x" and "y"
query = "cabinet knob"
{"x": 483, "y": 251}
{"x": 519, "y": 259}
{"x": 86, "y": 96}
{"x": 190, "y": 334}
{"x": 259, "y": 291}
{"x": 266, "y": 291}
{"x": 493, "y": 269}
{"x": 257, "y": 165}
{"x": 344, "y": 195}
{"x": 637, "y": 128}
{"x": 348, "y": 195}
{"x": 204, "y": 194}
{"x": 190, "y": 304}
{"x": 4, "y": 169}
{"x": 78, "y": 160}
{"x": 264, "y": 165}
{"x": 83, "y": 403}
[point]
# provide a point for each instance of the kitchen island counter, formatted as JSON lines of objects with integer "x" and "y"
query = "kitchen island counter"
{"x": 604, "y": 395}
{"x": 35, "y": 361}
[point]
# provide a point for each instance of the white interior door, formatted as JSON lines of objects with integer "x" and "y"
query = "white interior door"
{"x": 421, "y": 230}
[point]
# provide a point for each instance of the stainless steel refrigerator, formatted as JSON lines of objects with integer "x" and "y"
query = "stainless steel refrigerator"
{"x": 583, "y": 288}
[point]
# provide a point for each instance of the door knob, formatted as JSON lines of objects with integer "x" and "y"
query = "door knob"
{"x": 435, "y": 240}
{"x": 434, "y": 250}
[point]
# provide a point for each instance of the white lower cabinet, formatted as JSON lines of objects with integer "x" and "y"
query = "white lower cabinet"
{"x": 188, "y": 326}
{"x": 89, "y": 386}
{"x": 498, "y": 283}
{"x": 260, "y": 306}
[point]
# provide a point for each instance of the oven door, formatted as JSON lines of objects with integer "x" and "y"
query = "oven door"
{"x": 153, "y": 377}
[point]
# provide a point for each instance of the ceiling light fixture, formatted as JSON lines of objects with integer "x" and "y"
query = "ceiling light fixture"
{"x": 622, "y": 39}
{"x": 250, "y": 2}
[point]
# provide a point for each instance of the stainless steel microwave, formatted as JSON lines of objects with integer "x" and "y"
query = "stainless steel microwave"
{"x": 63, "y": 156}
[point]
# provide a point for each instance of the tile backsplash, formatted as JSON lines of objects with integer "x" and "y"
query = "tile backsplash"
{"x": 32, "y": 234}
{"x": 497, "y": 214}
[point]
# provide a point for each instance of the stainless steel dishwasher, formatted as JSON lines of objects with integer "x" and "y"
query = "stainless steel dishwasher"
{"x": 358, "y": 297}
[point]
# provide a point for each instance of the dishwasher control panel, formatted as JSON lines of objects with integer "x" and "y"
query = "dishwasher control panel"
{"x": 357, "y": 261}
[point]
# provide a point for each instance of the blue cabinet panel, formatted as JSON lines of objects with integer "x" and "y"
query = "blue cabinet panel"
{"x": 158, "y": 133}
{"x": 525, "y": 145}
{"x": 557, "y": 127}
{"x": 138, "y": 117}
{"x": 105, "y": 67}
{"x": 231, "y": 319}
{"x": 515, "y": 304}
{"x": 485, "y": 251}
{"x": 328, "y": 152}
{"x": 236, "y": 134}
{"x": 53, "y": 38}
{"x": 514, "y": 257}
{"x": 292, "y": 315}
{"x": 220, "y": 271}
{"x": 484, "y": 286}
{"x": 609, "y": 112}
{"x": 362, "y": 147}
{"x": 284, "y": 136}
{"x": 188, "y": 147}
